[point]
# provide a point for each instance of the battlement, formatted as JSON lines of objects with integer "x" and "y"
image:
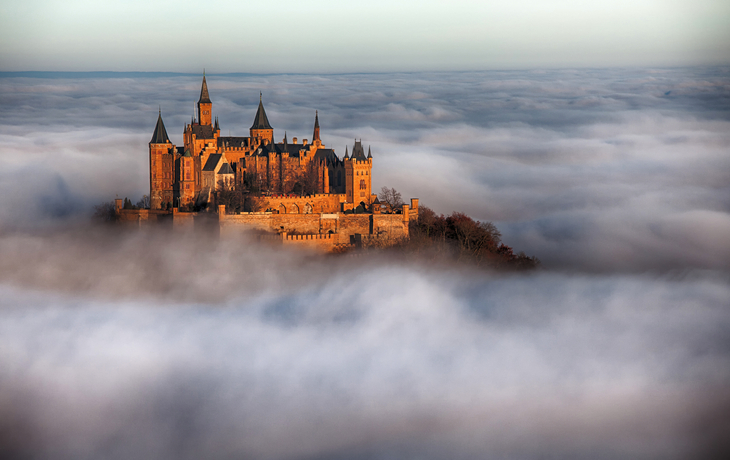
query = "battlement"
{"x": 338, "y": 213}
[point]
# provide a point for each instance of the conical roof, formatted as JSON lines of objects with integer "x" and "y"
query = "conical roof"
{"x": 315, "y": 135}
{"x": 369, "y": 154}
{"x": 357, "y": 151}
{"x": 261, "y": 121}
{"x": 204, "y": 96}
{"x": 160, "y": 134}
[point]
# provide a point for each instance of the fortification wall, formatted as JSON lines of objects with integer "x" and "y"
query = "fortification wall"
{"x": 142, "y": 217}
{"x": 294, "y": 204}
{"x": 391, "y": 226}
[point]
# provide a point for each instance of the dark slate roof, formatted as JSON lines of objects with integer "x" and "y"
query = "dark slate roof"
{"x": 261, "y": 121}
{"x": 187, "y": 154}
{"x": 357, "y": 152}
{"x": 204, "y": 97}
{"x": 203, "y": 131}
{"x": 225, "y": 169}
{"x": 370, "y": 155}
{"x": 160, "y": 134}
{"x": 181, "y": 149}
{"x": 326, "y": 154}
{"x": 233, "y": 141}
{"x": 212, "y": 162}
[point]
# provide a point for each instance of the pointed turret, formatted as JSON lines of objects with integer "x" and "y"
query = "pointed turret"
{"x": 261, "y": 121}
{"x": 261, "y": 127}
{"x": 370, "y": 156}
{"x": 217, "y": 128}
{"x": 315, "y": 136}
{"x": 204, "y": 96}
{"x": 205, "y": 106}
{"x": 160, "y": 134}
{"x": 346, "y": 157}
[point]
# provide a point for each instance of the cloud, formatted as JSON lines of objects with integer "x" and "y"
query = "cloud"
{"x": 162, "y": 345}
{"x": 124, "y": 346}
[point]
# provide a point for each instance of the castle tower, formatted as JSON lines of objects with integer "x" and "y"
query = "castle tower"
{"x": 315, "y": 135}
{"x": 358, "y": 178}
{"x": 205, "y": 106}
{"x": 160, "y": 165}
{"x": 261, "y": 128}
{"x": 186, "y": 178}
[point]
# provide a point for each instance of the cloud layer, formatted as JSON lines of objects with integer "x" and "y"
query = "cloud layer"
{"x": 164, "y": 345}
{"x": 189, "y": 354}
{"x": 590, "y": 169}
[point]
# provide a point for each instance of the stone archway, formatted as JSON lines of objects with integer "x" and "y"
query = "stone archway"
{"x": 282, "y": 209}
{"x": 294, "y": 209}
{"x": 308, "y": 208}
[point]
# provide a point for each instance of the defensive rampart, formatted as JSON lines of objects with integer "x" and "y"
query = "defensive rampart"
{"x": 322, "y": 231}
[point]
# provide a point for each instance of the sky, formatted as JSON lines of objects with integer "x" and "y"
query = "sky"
{"x": 325, "y": 36}
{"x": 594, "y": 135}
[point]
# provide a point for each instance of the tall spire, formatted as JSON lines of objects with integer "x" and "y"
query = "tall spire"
{"x": 261, "y": 121}
{"x": 346, "y": 157}
{"x": 204, "y": 96}
{"x": 369, "y": 154}
{"x": 217, "y": 128}
{"x": 315, "y": 136}
{"x": 160, "y": 134}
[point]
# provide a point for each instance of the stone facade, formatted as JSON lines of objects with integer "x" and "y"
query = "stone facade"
{"x": 257, "y": 162}
{"x": 312, "y": 197}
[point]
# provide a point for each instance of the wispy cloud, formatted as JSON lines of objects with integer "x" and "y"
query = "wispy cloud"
{"x": 165, "y": 345}
{"x": 135, "y": 348}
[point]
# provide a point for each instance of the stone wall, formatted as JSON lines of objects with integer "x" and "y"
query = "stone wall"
{"x": 321, "y": 231}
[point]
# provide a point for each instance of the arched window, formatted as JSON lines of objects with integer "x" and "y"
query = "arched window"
{"x": 307, "y": 208}
{"x": 294, "y": 209}
{"x": 282, "y": 209}
{"x": 363, "y": 186}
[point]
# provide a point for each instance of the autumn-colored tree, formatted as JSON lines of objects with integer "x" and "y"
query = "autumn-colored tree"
{"x": 460, "y": 236}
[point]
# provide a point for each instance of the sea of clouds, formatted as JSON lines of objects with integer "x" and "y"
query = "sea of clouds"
{"x": 157, "y": 345}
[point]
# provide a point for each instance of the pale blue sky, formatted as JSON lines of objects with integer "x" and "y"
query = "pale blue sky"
{"x": 377, "y": 35}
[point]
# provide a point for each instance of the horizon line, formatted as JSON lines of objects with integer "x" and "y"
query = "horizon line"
{"x": 143, "y": 73}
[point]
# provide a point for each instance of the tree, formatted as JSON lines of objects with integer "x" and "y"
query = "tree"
{"x": 144, "y": 202}
{"x": 253, "y": 203}
{"x": 228, "y": 195}
{"x": 391, "y": 197}
{"x": 105, "y": 212}
{"x": 307, "y": 182}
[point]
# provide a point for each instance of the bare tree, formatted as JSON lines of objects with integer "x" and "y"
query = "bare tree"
{"x": 228, "y": 195}
{"x": 144, "y": 203}
{"x": 391, "y": 197}
{"x": 105, "y": 212}
{"x": 307, "y": 181}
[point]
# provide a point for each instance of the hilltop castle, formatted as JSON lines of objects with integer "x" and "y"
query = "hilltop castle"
{"x": 307, "y": 195}
{"x": 207, "y": 161}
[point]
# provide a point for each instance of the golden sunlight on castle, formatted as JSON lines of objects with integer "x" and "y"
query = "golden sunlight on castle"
{"x": 297, "y": 192}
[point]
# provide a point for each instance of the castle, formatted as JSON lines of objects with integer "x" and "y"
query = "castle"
{"x": 307, "y": 194}
{"x": 207, "y": 161}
